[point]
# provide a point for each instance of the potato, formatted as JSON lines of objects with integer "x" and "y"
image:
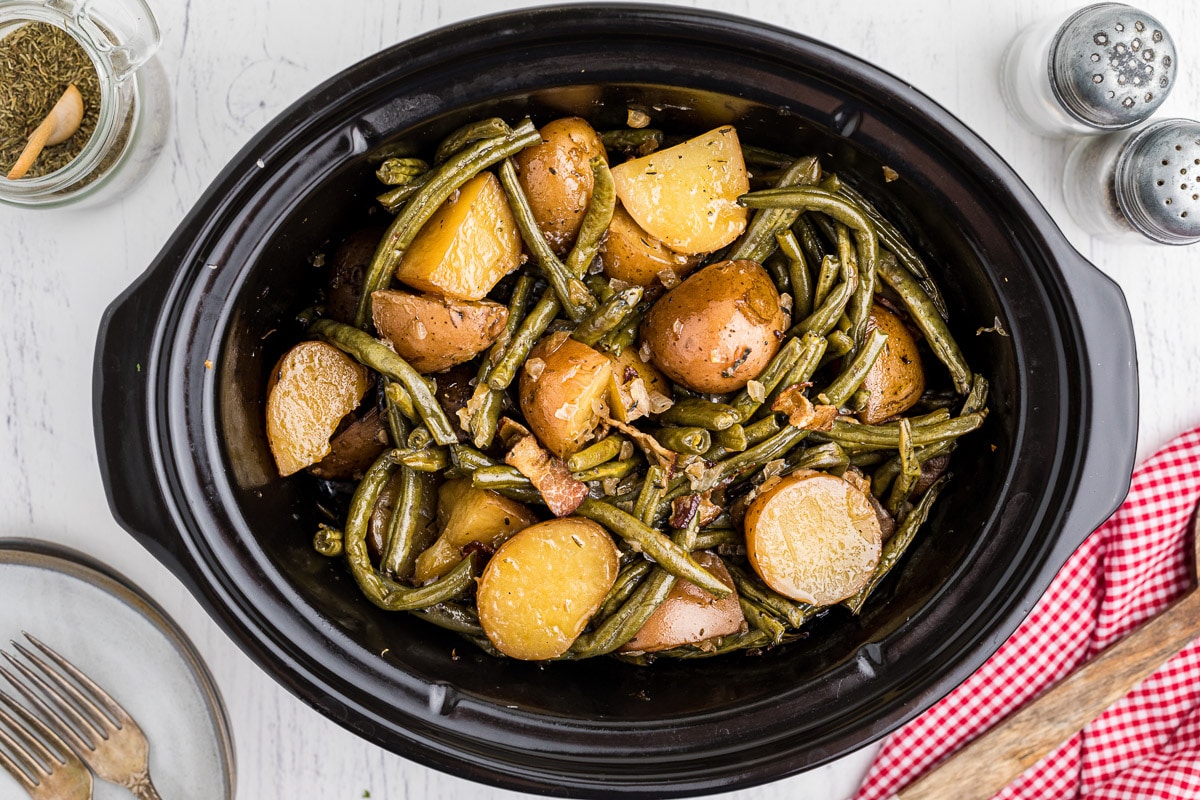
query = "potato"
{"x": 434, "y": 333}
{"x": 627, "y": 398}
{"x": 564, "y": 392}
{"x": 897, "y": 379}
{"x": 466, "y": 514}
{"x": 717, "y": 329}
{"x": 381, "y": 519}
{"x": 630, "y": 254}
{"x": 686, "y": 195}
{"x": 557, "y": 178}
{"x": 350, "y": 262}
{"x": 353, "y": 449}
{"x": 689, "y": 614}
{"x": 540, "y": 588}
{"x": 813, "y": 537}
{"x": 467, "y": 246}
{"x": 312, "y": 387}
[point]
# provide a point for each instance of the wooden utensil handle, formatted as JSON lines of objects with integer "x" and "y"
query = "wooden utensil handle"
{"x": 989, "y": 763}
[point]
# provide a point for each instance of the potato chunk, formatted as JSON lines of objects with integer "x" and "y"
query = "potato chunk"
{"x": 637, "y": 389}
{"x": 556, "y": 175}
{"x": 690, "y": 614}
{"x": 896, "y": 379}
{"x": 564, "y": 392}
{"x": 813, "y": 537}
{"x": 312, "y": 387}
{"x": 467, "y": 514}
{"x": 353, "y": 449}
{"x": 434, "y": 333}
{"x": 686, "y": 195}
{"x": 467, "y": 246}
{"x": 630, "y": 254}
{"x": 541, "y": 587}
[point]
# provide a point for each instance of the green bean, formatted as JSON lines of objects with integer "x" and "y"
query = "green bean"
{"x": 812, "y": 349}
{"x": 488, "y": 402}
{"x": 768, "y": 450}
{"x": 878, "y": 436}
{"x": 531, "y": 329}
{"x": 777, "y": 268}
{"x": 894, "y": 548}
{"x": 394, "y": 199}
{"x": 689, "y": 440}
{"x": 823, "y": 320}
{"x": 468, "y": 459}
{"x": 594, "y": 455}
{"x": 977, "y": 397}
{"x": 827, "y": 275}
{"x": 608, "y": 316}
{"x": 758, "y": 241}
{"x": 711, "y": 538}
{"x": 369, "y": 351}
{"x": 670, "y": 556}
{"x": 839, "y": 344}
{"x": 501, "y": 476}
{"x": 763, "y": 429}
{"x": 572, "y": 293}
{"x": 453, "y": 617}
{"x": 762, "y": 157}
{"x": 638, "y": 141}
{"x": 400, "y": 171}
{"x": 610, "y": 469}
{"x": 522, "y": 494}
{"x": 624, "y": 624}
{"x": 829, "y": 456}
{"x": 695, "y": 412}
{"x": 422, "y": 459}
{"x": 852, "y": 376}
{"x": 650, "y": 495}
{"x": 750, "y": 640}
{"x": 627, "y": 582}
{"x": 775, "y": 371}
{"x": 442, "y": 183}
{"x": 328, "y": 541}
{"x": 796, "y": 614}
{"x": 732, "y": 439}
{"x": 595, "y": 220}
{"x": 799, "y": 278}
{"x": 402, "y": 527}
{"x": 927, "y": 318}
{"x": 886, "y": 472}
{"x": 471, "y": 132}
{"x": 806, "y": 232}
{"x": 625, "y": 334}
{"x": 762, "y": 619}
{"x": 910, "y": 471}
{"x": 599, "y": 286}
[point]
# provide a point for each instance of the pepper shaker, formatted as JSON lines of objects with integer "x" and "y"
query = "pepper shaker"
{"x": 1139, "y": 184}
{"x": 1107, "y": 67}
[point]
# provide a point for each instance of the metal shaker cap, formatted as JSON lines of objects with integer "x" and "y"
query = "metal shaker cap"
{"x": 1111, "y": 65}
{"x": 1158, "y": 181}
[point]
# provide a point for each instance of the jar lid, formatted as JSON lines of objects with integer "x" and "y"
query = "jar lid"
{"x": 1158, "y": 181}
{"x": 1111, "y": 65}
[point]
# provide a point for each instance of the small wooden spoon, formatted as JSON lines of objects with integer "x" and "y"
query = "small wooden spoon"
{"x": 992, "y": 761}
{"x": 58, "y": 126}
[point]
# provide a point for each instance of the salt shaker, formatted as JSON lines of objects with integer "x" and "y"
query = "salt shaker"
{"x": 1106, "y": 68}
{"x": 1139, "y": 184}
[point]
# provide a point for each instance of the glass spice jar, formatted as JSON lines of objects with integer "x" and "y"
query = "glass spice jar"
{"x": 1107, "y": 67}
{"x": 120, "y": 37}
{"x": 1139, "y": 184}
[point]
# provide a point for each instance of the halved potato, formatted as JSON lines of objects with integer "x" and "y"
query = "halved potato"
{"x": 630, "y": 254}
{"x": 686, "y": 195}
{"x": 637, "y": 389}
{"x": 434, "y": 333}
{"x": 350, "y": 263}
{"x": 564, "y": 392}
{"x": 896, "y": 380}
{"x": 690, "y": 614}
{"x": 717, "y": 329}
{"x": 467, "y": 514}
{"x": 467, "y": 246}
{"x": 540, "y": 588}
{"x": 312, "y": 387}
{"x": 813, "y": 537}
{"x": 556, "y": 175}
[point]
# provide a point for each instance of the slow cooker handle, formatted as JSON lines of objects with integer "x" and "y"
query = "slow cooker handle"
{"x": 121, "y": 398}
{"x": 1110, "y": 384}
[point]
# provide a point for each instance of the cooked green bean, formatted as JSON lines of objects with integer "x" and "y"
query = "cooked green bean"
{"x": 328, "y": 541}
{"x": 486, "y": 400}
{"x": 796, "y": 614}
{"x": 810, "y": 241}
{"x": 468, "y": 459}
{"x": 454, "y": 617}
{"x": 599, "y": 286}
{"x": 500, "y": 476}
{"x": 695, "y": 412}
{"x": 852, "y": 376}
{"x": 777, "y": 268}
{"x": 627, "y": 582}
{"x": 839, "y": 344}
{"x": 760, "y": 618}
{"x": 927, "y": 318}
{"x": 650, "y": 495}
{"x": 732, "y": 439}
{"x": 609, "y": 469}
{"x": 595, "y": 220}
{"x": 608, "y": 316}
{"x": 624, "y": 624}
{"x": 910, "y": 471}
{"x": 758, "y": 241}
{"x": 712, "y": 538}
{"x": 637, "y": 141}
{"x": 471, "y": 132}
{"x": 827, "y": 274}
{"x": 370, "y": 352}
{"x": 799, "y": 278}
{"x": 531, "y": 329}
{"x": 762, "y": 157}
{"x": 823, "y": 320}
{"x": 594, "y": 455}
{"x": 443, "y": 182}
{"x": 811, "y": 352}
{"x": 625, "y": 334}
{"x": 573, "y": 294}
{"x": 400, "y": 171}
{"x": 404, "y": 522}
{"x": 423, "y": 459}
{"x": 394, "y": 199}
{"x": 767, "y": 380}
{"x": 691, "y": 440}
{"x": 750, "y": 640}
{"x": 879, "y": 436}
{"x": 829, "y": 457}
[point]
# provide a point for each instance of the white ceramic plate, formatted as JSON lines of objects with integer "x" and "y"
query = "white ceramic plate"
{"x": 128, "y": 645}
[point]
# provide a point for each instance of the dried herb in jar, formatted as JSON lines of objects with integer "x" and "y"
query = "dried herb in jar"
{"x": 37, "y": 63}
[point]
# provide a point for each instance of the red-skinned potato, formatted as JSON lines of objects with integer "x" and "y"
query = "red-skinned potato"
{"x": 631, "y": 255}
{"x": 353, "y": 449}
{"x": 717, "y": 329}
{"x": 564, "y": 392}
{"x": 540, "y": 588}
{"x": 896, "y": 379}
{"x": 432, "y": 332}
{"x": 813, "y": 537}
{"x": 689, "y": 614}
{"x": 556, "y": 175}
{"x": 311, "y": 389}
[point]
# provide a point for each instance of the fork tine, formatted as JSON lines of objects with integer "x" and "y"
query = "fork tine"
{"x": 115, "y": 710}
{"x": 68, "y": 732}
{"x": 49, "y": 757}
{"x": 22, "y": 775}
{"x": 100, "y": 723}
{"x": 12, "y": 769}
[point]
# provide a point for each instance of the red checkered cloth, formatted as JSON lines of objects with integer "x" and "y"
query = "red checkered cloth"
{"x": 1145, "y": 746}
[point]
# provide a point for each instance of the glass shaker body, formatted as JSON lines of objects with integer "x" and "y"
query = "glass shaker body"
{"x": 120, "y": 38}
{"x": 1107, "y": 67}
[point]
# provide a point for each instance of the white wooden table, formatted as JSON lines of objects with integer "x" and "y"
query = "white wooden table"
{"x": 232, "y": 66}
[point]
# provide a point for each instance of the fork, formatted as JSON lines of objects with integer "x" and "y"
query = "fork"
{"x": 99, "y": 730}
{"x": 50, "y": 772}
